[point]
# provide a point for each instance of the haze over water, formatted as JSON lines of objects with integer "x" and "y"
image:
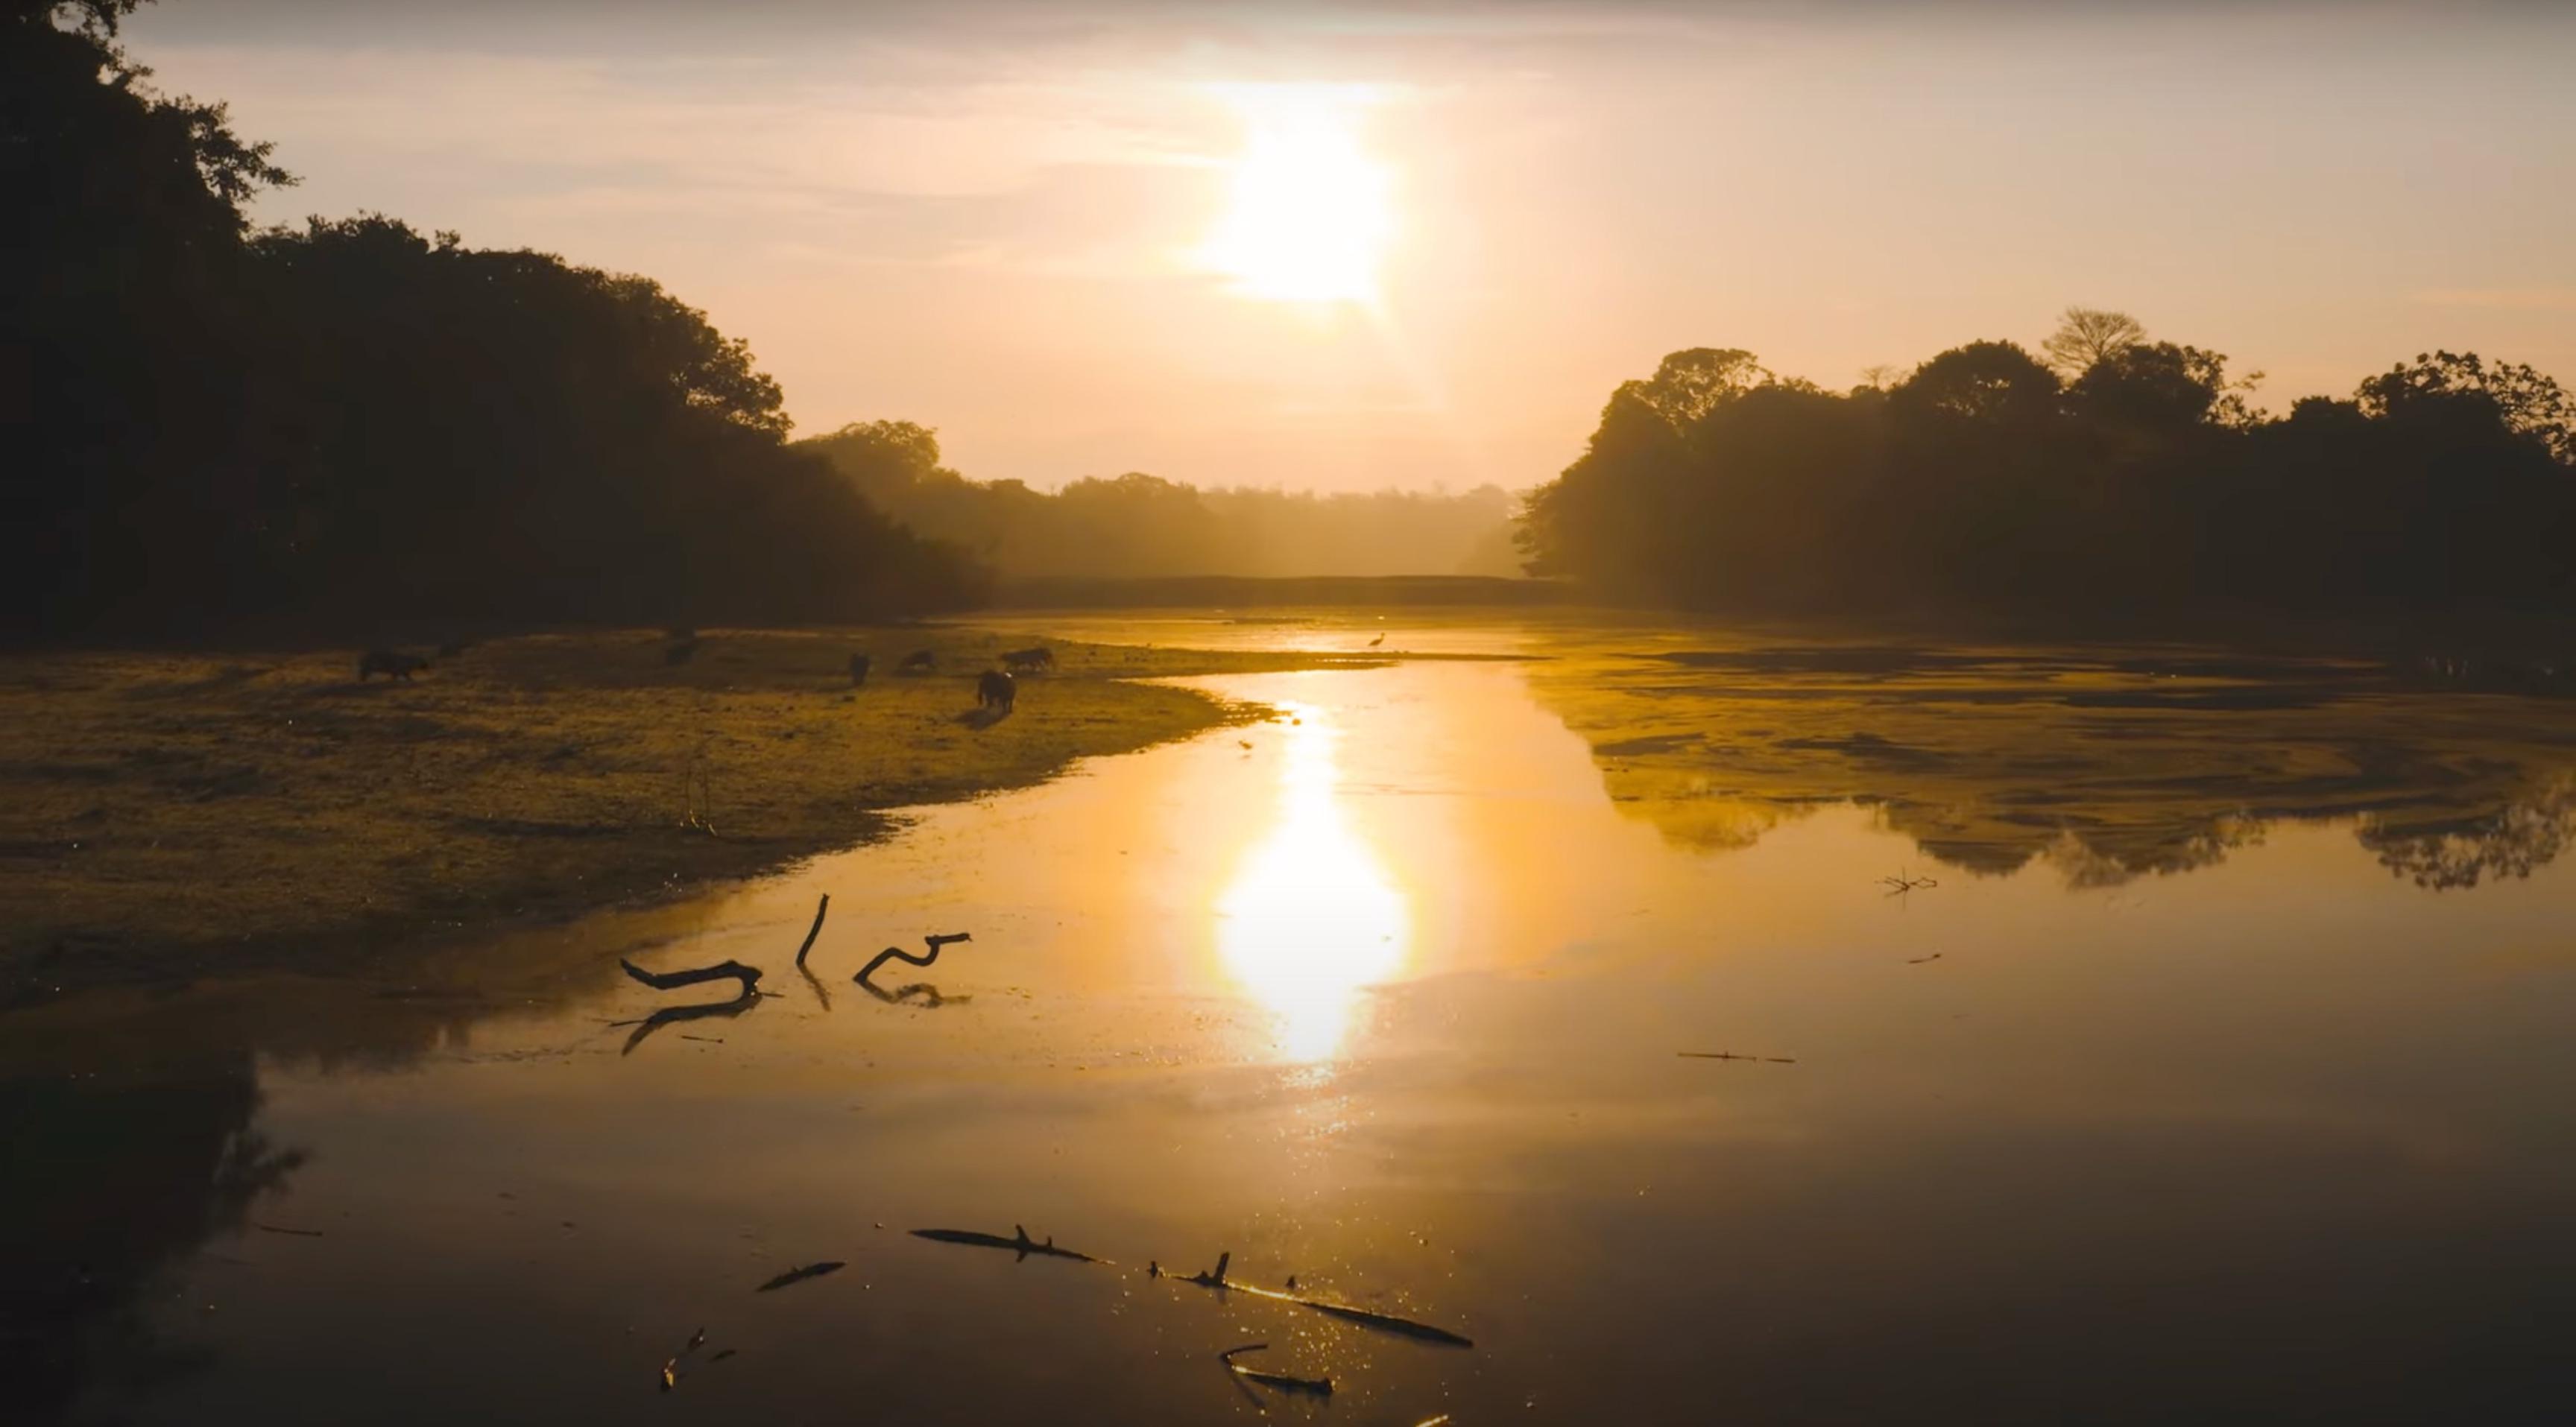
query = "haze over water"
{"x": 1388, "y": 993}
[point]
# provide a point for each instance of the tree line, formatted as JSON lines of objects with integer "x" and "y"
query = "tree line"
{"x": 2106, "y": 480}
{"x": 1137, "y": 525}
{"x": 351, "y": 425}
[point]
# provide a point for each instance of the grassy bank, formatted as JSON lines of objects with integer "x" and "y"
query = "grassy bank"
{"x": 175, "y": 814}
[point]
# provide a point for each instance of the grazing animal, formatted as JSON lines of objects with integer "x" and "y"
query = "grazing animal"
{"x": 392, "y": 663}
{"x": 680, "y": 651}
{"x": 1029, "y": 660}
{"x": 454, "y": 647}
{"x": 858, "y": 670}
{"x": 996, "y": 690}
{"x": 919, "y": 661}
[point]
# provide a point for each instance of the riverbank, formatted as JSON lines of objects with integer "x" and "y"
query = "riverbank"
{"x": 168, "y": 815}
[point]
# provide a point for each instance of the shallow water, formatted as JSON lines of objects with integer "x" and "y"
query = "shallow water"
{"x": 1388, "y": 994}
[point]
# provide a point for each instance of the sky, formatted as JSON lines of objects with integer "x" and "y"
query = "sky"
{"x": 1417, "y": 245}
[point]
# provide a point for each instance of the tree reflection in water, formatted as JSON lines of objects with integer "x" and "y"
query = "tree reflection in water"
{"x": 2106, "y": 765}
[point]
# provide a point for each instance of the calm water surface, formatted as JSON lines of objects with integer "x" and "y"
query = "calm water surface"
{"x": 1386, "y": 994}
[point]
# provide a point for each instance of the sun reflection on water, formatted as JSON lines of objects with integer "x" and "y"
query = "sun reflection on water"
{"x": 1311, "y": 916}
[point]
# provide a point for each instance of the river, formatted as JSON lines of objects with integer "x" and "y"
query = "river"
{"x": 1815, "y": 1101}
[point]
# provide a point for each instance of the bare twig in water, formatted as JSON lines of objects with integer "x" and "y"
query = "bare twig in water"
{"x": 674, "y": 980}
{"x": 799, "y": 1275}
{"x": 1730, "y": 1055}
{"x": 282, "y": 1229}
{"x": 1919, "y": 960}
{"x": 1019, "y": 1243}
{"x": 934, "y": 941}
{"x": 1319, "y": 1386}
{"x": 710, "y": 1040}
{"x": 1366, "y": 1317}
{"x": 815, "y": 930}
{"x": 1902, "y": 883}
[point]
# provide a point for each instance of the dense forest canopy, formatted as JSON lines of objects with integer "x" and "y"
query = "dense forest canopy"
{"x": 2122, "y": 478}
{"x": 1141, "y": 525}
{"x": 349, "y": 425}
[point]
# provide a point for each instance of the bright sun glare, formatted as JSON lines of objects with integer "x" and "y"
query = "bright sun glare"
{"x": 1311, "y": 918}
{"x": 1310, "y": 210}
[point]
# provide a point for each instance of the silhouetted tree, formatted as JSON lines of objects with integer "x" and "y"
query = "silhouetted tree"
{"x": 2146, "y": 487}
{"x": 2524, "y": 399}
{"x": 350, "y": 424}
{"x": 2088, "y": 335}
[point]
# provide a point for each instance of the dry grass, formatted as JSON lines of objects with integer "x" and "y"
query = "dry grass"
{"x": 167, "y": 814}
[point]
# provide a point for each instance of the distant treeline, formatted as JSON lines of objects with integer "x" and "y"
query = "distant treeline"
{"x": 1143, "y": 527}
{"x": 350, "y": 426}
{"x": 2120, "y": 482}
{"x": 1235, "y": 592}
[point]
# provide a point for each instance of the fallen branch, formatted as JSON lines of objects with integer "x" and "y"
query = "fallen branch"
{"x": 1019, "y": 1243}
{"x": 1365, "y": 1317}
{"x": 1919, "y": 960}
{"x": 815, "y": 930}
{"x": 1319, "y": 1386}
{"x": 282, "y": 1229}
{"x": 935, "y": 941}
{"x": 1901, "y": 884}
{"x": 799, "y": 1275}
{"x": 674, "y": 980}
{"x": 1730, "y": 1055}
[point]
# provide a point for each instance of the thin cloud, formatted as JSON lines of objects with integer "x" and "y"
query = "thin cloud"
{"x": 2507, "y": 299}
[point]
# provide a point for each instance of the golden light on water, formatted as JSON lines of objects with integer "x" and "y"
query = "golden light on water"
{"x": 1309, "y": 209}
{"x": 1311, "y": 917}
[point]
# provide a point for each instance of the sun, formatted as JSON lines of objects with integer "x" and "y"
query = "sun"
{"x": 1309, "y": 210}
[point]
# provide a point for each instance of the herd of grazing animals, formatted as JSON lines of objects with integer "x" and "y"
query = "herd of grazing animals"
{"x": 995, "y": 689}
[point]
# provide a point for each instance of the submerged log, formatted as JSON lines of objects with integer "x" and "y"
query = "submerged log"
{"x": 1019, "y": 1243}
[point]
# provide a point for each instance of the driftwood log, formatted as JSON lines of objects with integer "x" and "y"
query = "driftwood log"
{"x": 1019, "y": 1243}
{"x": 674, "y": 980}
{"x": 748, "y": 977}
{"x": 1348, "y": 1313}
{"x": 802, "y": 1273}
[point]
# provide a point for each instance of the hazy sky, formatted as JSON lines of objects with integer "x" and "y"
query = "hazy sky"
{"x": 1060, "y": 234}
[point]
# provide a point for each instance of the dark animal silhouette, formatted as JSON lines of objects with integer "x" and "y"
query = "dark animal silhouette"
{"x": 858, "y": 670}
{"x": 1029, "y": 660}
{"x": 454, "y": 647}
{"x": 919, "y": 661}
{"x": 392, "y": 663}
{"x": 1381, "y": 639}
{"x": 996, "y": 690}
